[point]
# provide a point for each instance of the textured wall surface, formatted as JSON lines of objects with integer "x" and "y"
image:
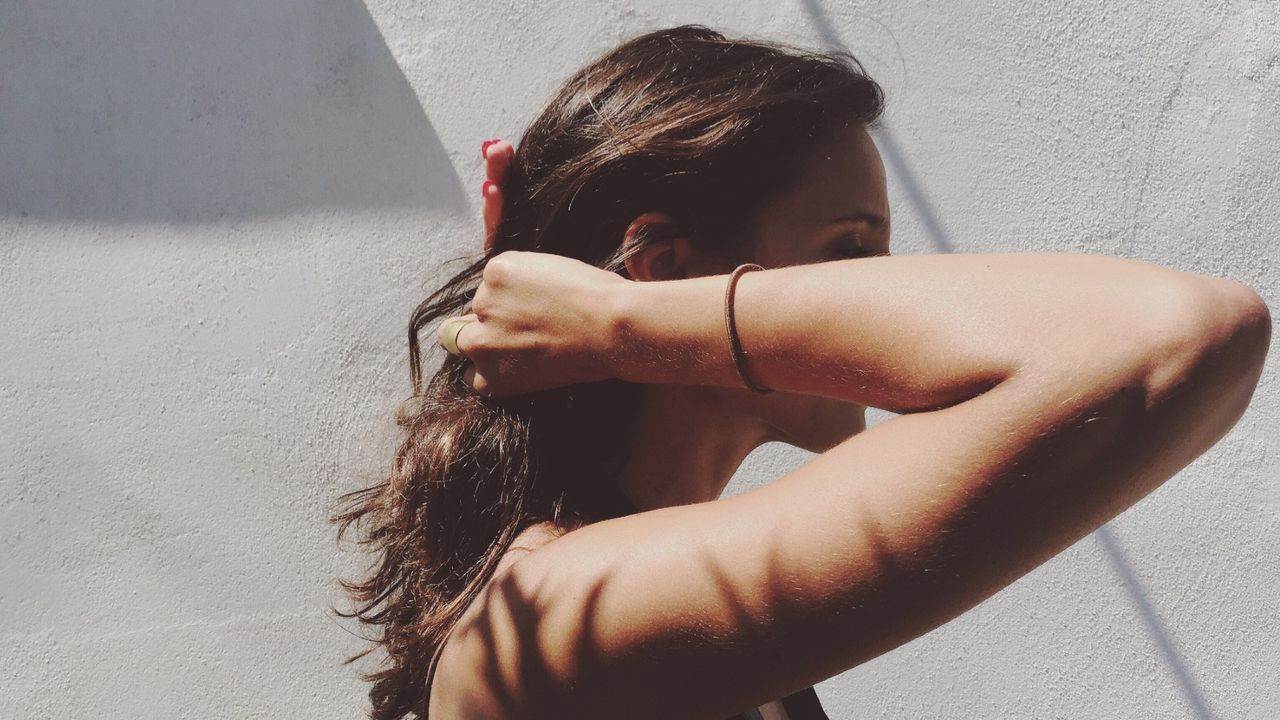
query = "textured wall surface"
{"x": 215, "y": 219}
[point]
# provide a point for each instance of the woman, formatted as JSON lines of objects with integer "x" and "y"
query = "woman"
{"x": 549, "y": 539}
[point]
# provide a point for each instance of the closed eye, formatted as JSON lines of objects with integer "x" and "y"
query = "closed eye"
{"x": 853, "y": 248}
{"x": 855, "y": 252}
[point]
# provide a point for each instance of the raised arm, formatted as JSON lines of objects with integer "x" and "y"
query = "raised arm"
{"x": 911, "y": 333}
{"x": 1068, "y": 387}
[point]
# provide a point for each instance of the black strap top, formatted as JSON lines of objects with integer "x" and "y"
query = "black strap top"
{"x": 800, "y": 705}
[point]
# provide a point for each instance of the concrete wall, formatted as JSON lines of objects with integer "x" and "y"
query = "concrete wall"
{"x": 215, "y": 219}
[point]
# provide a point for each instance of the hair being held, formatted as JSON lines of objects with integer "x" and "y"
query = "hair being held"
{"x": 682, "y": 121}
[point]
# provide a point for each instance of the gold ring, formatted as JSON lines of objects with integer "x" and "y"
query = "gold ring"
{"x": 451, "y": 330}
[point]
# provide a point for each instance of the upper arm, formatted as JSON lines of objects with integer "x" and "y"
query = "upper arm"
{"x": 704, "y": 610}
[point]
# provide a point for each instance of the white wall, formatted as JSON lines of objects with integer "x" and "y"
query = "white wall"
{"x": 215, "y": 219}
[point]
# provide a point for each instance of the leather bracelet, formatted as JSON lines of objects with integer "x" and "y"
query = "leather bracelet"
{"x": 735, "y": 345}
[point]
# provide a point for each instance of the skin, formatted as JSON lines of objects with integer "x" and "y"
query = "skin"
{"x": 690, "y": 439}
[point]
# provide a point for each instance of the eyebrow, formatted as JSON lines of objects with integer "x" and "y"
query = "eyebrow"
{"x": 870, "y": 218}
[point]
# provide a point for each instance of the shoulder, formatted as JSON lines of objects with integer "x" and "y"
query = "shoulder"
{"x": 529, "y": 540}
{"x": 453, "y": 688}
{"x": 589, "y": 620}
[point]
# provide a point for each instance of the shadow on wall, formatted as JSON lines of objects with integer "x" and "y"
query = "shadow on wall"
{"x": 191, "y": 112}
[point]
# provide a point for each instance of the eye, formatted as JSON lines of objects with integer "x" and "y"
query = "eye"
{"x": 851, "y": 248}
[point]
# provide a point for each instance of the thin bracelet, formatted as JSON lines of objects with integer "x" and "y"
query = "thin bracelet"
{"x": 735, "y": 345}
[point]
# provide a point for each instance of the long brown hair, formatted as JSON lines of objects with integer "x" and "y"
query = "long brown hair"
{"x": 683, "y": 120}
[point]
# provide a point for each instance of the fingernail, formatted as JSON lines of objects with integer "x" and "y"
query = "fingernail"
{"x": 484, "y": 147}
{"x": 484, "y": 189}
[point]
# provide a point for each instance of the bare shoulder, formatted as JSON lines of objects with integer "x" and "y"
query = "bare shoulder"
{"x": 529, "y": 540}
{"x": 453, "y": 690}
{"x": 673, "y": 613}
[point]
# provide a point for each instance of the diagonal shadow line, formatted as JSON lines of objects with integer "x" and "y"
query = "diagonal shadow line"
{"x": 1149, "y": 615}
{"x": 1110, "y": 546}
{"x": 885, "y": 140}
{"x": 919, "y": 200}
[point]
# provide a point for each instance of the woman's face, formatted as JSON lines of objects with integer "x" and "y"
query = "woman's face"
{"x": 839, "y": 209}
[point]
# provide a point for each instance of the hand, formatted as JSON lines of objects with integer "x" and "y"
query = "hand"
{"x": 541, "y": 320}
{"x": 498, "y": 155}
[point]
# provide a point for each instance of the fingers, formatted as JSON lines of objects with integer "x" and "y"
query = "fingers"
{"x": 469, "y": 377}
{"x": 497, "y": 158}
{"x": 492, "y": 212}
{"x": 476, "y": 382}
{"x": 445, "y": 332}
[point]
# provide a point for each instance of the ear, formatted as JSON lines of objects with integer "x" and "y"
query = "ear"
{"x": 665, "y": 255}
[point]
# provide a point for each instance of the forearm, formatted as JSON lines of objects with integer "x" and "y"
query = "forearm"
{"x": 904, "y": 333}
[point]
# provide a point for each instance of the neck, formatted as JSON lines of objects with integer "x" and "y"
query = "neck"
{"x": 687, "y": 445}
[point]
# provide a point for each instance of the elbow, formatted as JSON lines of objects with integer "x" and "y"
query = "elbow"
{"x": 1215, "y": 336}
{"x": 1245, "y": 338}
{"x": 1256, "y": 318}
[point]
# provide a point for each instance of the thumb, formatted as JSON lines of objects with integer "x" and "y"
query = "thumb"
{"x": 476, "y": 381}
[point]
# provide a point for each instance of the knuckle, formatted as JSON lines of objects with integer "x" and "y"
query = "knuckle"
{"x": 497, "y": 267}
{"x": 480, "y": 301}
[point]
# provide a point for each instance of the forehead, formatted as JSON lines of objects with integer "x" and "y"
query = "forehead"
{"x": 843, "y": 176}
